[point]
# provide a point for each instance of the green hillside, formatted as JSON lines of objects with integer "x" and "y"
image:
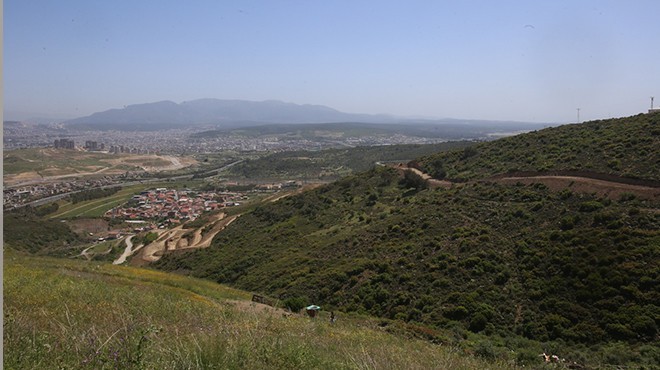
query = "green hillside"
{"x": 333, "y": 163}
{"x": 64, "y": 314}
{"x": 27, "y": 230}
{"x": 625, "y": 147}
{"x": 569, "y": 270}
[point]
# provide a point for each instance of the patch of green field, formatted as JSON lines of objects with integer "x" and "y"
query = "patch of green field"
{"x": 103, "y": 247}
{"x": 86, "y": 315}
{"x": 96, "y": 207}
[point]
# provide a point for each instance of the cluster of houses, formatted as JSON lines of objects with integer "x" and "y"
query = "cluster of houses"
{"x": 173, "y": 206}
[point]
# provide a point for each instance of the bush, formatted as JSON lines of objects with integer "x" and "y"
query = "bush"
{"x": 149, "y": 237}
{"x": 468, "y": 152}
{"x": 478, "y": 322}
{"x": 46, "y": 209}
{"x": 568, "y": 222}
{"x": 294, "y": 304}
{"x": 590, "y": 206}
{"x": 456, "y": 313}
{"x": 485, "y": 349}
{"x": 413, "y": 180}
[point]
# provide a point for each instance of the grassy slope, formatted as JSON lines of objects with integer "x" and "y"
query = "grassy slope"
{"x": 518, "y": 261}
{"x": 624, "y": 146}
{"x": 71, "y": 314}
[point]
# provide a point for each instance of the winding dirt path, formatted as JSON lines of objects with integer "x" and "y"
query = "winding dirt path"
{"x": 580, "y": 184}
{"x": 84, "y": 253}
{"x": 129, "y": 251}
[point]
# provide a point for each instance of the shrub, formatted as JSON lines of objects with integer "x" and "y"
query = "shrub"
{"x": 468, "y": 152}
{"x": 590, "y": 206}
{"x": 478, "y": 322}
{"x": 568, "y": 222}
{"x": 295, "y": 304}
{"x": 485, "y": 349}
{"x": 413, "y": 180}
{"x": 456, "y": 313}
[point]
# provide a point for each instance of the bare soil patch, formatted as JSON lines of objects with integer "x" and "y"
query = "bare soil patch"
{"x": 178, "y": 239}
{"x": 85, "y": 226}
{"x": 23, "y": 177}
{"x": 69, "y": 164}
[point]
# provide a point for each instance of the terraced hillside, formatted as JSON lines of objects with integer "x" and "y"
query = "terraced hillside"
{"x": 573, "y": 270}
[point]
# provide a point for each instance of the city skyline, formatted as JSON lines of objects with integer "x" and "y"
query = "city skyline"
{"x": 510, "y": 60}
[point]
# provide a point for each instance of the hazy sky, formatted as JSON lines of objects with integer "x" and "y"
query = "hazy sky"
{"x": 509, "y": 60}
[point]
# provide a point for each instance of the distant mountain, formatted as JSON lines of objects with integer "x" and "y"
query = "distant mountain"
{"x": 167, "y": 114}
{"x": 242, "y": 113}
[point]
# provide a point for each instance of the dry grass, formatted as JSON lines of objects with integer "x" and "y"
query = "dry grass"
{"x": 73, "y": 314}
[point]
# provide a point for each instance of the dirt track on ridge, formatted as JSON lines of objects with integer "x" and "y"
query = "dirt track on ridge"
{"x": 605, "y": 186}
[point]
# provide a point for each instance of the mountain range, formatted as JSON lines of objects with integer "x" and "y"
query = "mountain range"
{"x": 239, "y": 113}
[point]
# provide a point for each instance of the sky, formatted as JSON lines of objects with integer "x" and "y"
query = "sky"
{"x": 525, "y": 60}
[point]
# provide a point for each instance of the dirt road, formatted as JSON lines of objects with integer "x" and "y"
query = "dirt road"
{"x": 580, "y": 184}
{"x": 128, "y": 251}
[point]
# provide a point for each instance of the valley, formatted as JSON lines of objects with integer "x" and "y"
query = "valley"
{"x": 361, "y": 185}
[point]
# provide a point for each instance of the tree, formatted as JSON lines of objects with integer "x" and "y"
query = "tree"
{"x": 413, "y": 180}
{"x": 295, "y": 304}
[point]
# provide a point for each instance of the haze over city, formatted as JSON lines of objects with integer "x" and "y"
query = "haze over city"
{"x": 506, "y": 60}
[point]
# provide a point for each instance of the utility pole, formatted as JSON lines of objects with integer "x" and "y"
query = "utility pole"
{"x": 578, "y": 114}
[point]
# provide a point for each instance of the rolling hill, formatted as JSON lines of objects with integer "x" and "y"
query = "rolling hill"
{"x": 66, "y": 314}
{"x": 623, "y": 147}
{"x": 575, "y": 270}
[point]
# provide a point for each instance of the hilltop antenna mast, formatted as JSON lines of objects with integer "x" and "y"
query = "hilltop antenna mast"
{"x": 652, "y": 102}
{"x": 578, "y": 114}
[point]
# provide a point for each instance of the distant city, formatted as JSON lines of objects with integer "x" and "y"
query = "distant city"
{"x": 183, "y": 141}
